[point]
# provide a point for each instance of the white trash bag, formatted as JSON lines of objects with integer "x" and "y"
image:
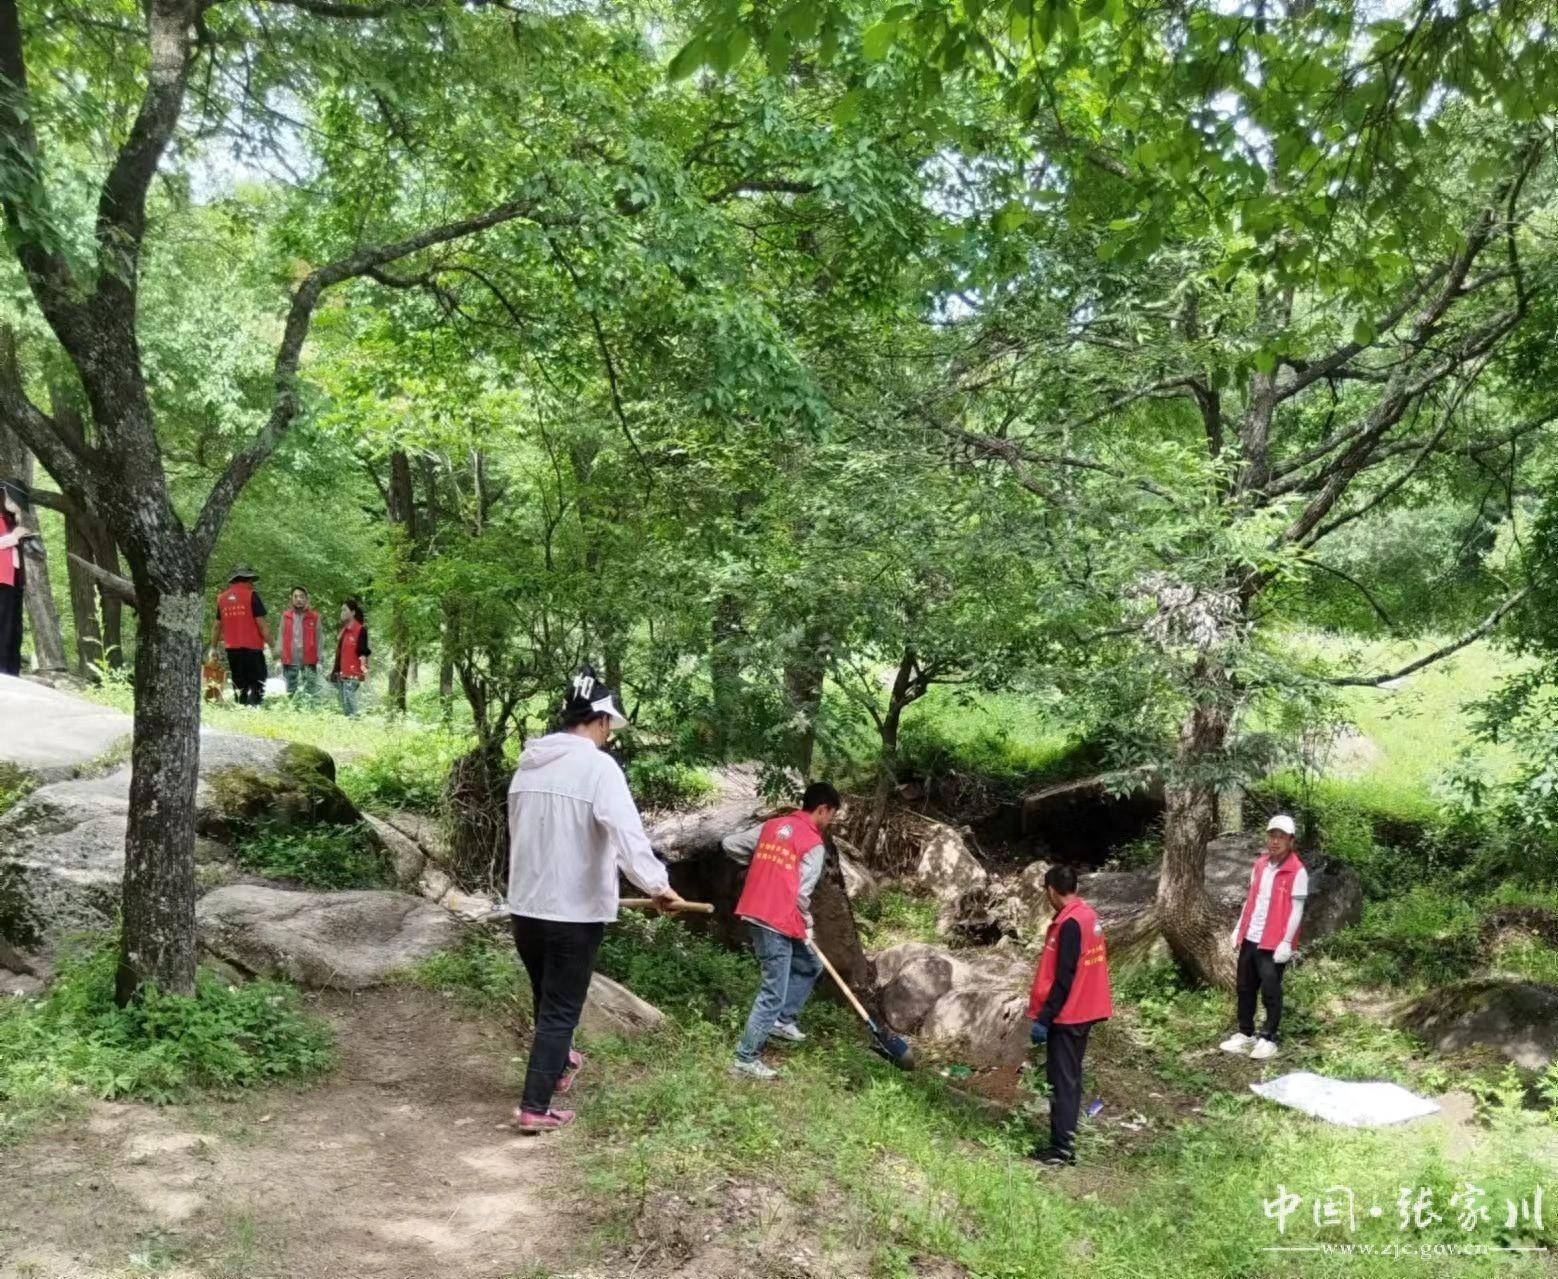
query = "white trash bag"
{"x": 1353, "y": 1103}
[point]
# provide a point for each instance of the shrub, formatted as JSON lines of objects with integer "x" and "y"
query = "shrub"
{"x": 1423, "y": 934}
{"x": 661, "y": 782}
{"x": 407, "y": 772}
{"x": 317, "y": 857}
{"x": 14, "y": 786}
{"x": 684, "y": 974}
{"x": 162, "y": 1047}
{"x": 482, "y": 973}
{"x": 892, "y": 915}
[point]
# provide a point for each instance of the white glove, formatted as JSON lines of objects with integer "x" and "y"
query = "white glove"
{"x": 1283, "y": 953}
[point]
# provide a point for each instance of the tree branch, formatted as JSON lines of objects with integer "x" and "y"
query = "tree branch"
{"x": 121, "y": 588}
{"x": 1455, "y": 646}
{"x": 299, "y": 317}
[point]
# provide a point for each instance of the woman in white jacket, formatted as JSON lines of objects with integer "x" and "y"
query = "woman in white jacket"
{"x": 572, "y": 827}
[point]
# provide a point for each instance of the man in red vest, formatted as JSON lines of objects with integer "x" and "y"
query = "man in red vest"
{"x": 298, "y": 646}
{"x": 1070, "y": 993}
{"x": 785, "y": 857}
{"x": 1265, "y": 937}
{"x": 240, "y": 625}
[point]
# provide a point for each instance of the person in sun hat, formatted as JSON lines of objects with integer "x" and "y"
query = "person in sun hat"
{"x": 241, "y": 627}
{"x": 573, "y": 827}
{"x": 1265, "y": 936}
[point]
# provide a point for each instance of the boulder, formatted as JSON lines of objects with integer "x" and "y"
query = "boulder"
{"x": 65, "y": 735}
{"x": 1518, "y": 1019}
{"x": 970, "y": 1007}
{"x": 406, "y": 856}
{"x": 612, "y": 1009}
{"x": 62, "y": 846}
{"x": 424, "y": 831}
{"x": 339, "y": 941}
{"x": 946, "y": 869}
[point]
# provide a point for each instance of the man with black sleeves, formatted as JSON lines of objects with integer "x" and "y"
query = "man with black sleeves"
{"x": 1070, "y": 993}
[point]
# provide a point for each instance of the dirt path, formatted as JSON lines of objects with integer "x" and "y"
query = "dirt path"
{"x": 397, "y": 1167}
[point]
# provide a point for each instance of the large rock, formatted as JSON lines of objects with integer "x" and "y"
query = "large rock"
{"x": 406, "y": 855}
{"x": 970, "y": 1006}
{"x": 340, "y": 941}
{"x": 62, "y": 847}
{"x": 699, "y": 870}
{"x": 612, "y": 1009}
{"x": 62, "y": 736}
{"x": 1519, "y": 1019}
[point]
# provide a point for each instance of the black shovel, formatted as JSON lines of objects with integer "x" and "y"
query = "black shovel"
{"x": 895, "y": 1048}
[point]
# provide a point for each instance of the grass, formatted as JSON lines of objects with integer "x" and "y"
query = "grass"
{"x": 327, "y": 857}
{"x": 75, "y": 1041}
{"x": 892, "y": 915}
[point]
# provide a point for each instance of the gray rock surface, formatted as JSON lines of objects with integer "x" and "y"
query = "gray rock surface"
{"x": 60, "y": 734}
{"x": 406, "y": 854}
{"x": 613, "y": 1009}
{"x": 969, "y": 1006}
{"x": 340, "y": 941}
{"x": 1518, "y": 1019}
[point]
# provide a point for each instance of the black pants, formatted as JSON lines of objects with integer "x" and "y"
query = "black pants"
{"x": 12, "y": 601}
{"x": 249, "y": 674}
{"x": 560, "y": 958}
{"x": 1258, "y": 971}
{"x": 1063, "y": 1069}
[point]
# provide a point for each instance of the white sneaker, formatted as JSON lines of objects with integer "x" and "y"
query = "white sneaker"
{"x": 788, "y": 1030}
{"x": 1238, "y": 1044}
{"x": 755, "y": 1069}
{"x": 1264, "y": 1049}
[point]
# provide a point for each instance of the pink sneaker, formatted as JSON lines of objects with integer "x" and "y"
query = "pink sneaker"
{"x": 531, "y": 1122}
{"x": 575, "y": 1065}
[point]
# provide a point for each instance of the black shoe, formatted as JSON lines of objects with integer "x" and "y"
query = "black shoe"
{"x": 1053, "y": 1157}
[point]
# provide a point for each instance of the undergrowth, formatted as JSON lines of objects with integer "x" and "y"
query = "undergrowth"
{"x": 75, "y": 1041}
{"x": 329, "y": 857}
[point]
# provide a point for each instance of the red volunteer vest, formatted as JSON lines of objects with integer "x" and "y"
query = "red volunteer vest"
{"x": 235, "y": 608}
{"x": 1090, "y": 998}
{"x": 1280, "y": 912}
{"x": 7, "y": 554}
{"x": 310, "y": 638}
{"x": 346, "y": 655}
{"x": 774, "y": 878}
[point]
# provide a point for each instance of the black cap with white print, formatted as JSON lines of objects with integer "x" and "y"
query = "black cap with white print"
{"x": 586, "y": 694}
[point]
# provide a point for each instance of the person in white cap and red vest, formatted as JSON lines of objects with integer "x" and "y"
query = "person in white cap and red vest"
{"x": 785, "y": 856}
{"x": 298, "y": 646}
{"x": 240, "y": 625}
{"x": 573, "y": 827}
{"x": 1070, "y": 994}
{"x": 1266, "y": 935}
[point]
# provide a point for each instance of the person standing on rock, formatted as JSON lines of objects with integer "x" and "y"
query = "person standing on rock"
{"x": 351, "y": 657}
{"x": 573, "y": 827}
{"x": 1265, "y": 937}
{"x": 15, "y": 502}
{"x": 785, "y": 857}
{"x": 299, "y": 646}
{"x": 240, "y": 626}
{"x": 1070, "y": 994}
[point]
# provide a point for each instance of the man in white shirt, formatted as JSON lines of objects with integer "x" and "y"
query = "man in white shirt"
{"x": 1265, "y": 936}
{"x": 572, "y": 827}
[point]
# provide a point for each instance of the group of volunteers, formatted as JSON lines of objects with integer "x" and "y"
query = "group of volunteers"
{"x": 243, "y": 631}
{"x": 574, "y": 829}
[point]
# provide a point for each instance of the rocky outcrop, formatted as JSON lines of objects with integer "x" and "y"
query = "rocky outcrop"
{"x": 968, "y": 1006}
{"x": 612, "y": 1009}
{"x": 699, "y": 870}
{"x": 406, "y": 855}
{"x": 1518, "y": 1019}
{"x": 62, "y": 846}
{"x": 339, "y": 941}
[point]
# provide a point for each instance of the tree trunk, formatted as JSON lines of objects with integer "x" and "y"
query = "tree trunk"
{"x": 402, "y": 514}
{"x": 887, "y": 767}
{"x": 157, "y": 943}
{"x": 107, "y": 557}
{"x": 83, "y": 597}
{"x": 1189, "y": 924}
{"x": 803, "y": 678}
{"x": 725, "y": 670}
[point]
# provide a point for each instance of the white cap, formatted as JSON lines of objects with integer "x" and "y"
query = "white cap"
{"x": 1283, "y": 823}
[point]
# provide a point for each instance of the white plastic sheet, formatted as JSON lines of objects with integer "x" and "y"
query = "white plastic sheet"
{"x": 1353, "y": 1103}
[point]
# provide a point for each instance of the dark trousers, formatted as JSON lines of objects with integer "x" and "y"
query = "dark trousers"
{"x": 1259, "y": 972}
{"x": 249, "y": 674}
{"x": 1063, "y": 1069}
{"x": 560, "y": 958}
{"x": 12, "y": 601}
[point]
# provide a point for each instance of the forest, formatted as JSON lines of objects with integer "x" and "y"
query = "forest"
{"x": 1080, "y": 431}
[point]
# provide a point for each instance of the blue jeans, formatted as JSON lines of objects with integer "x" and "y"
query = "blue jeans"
{"x": 347, "y": 689}
{"x": 790, "y": 969}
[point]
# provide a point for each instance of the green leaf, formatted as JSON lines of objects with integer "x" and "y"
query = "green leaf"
{"x": 688, "y": 59}
{"x": 878, "y": 39}
{"x": 1265, "y": 360}
{"x": 1364, "y": 333}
